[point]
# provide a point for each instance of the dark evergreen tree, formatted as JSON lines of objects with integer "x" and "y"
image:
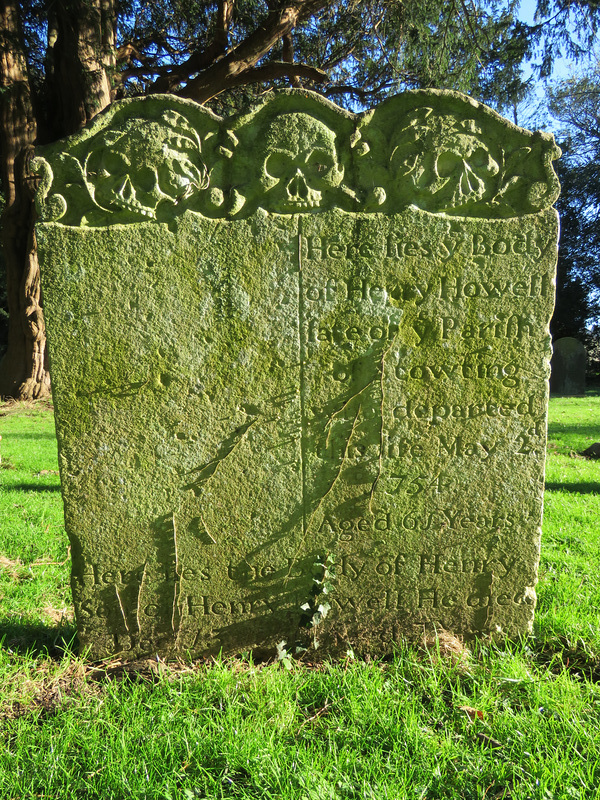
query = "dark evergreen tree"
{"x": 576, "y": 103}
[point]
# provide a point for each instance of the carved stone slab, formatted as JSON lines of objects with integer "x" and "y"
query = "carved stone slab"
{"x": 300, "y": 368}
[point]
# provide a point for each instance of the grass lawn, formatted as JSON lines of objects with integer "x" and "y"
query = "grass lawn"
{"x": 518, "y": 721}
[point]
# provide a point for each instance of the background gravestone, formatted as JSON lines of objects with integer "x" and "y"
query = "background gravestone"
{"x": 568, "y": 366}
{"x": 300, "y": 371}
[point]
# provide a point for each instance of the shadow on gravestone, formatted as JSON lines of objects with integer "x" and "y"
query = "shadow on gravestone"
{"x": 568, "y": 366}
{"x": 300, "y": 365}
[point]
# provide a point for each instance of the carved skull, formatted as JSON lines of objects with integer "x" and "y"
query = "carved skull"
{"x": 462, "y": 169}
{"x": 147, "y": 163}
{"x": 447, "y": 161}
{"x": 300, "y": 163}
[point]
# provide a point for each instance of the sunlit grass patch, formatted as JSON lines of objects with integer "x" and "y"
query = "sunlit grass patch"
{"x": 568, "y": 613}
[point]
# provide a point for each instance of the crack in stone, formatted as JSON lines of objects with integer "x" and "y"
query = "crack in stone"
{"x": 139, "y": 597}
{"x": 175, "y": 616}
{"x": 381, "y": 429}
{"x": 225, "y": 450}
{"x": 122, "y": 609}
{"x": 293, "y": 561}
{"x": 302, "y": 349}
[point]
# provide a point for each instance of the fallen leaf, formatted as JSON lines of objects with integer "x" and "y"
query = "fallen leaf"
{"x": 472, "y": 713}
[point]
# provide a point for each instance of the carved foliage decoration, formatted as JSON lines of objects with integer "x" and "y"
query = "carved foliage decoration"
{"x": 141, "y": 160}
{"x": 146, "y": 163}
{"x": 154, "y": 158}
{"x": 446, "y": 162}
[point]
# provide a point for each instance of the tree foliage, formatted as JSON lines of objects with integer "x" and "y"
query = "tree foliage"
{"x": 576, "y": 104}
{"x": 354, "y": 51}
{"x": 563, "y": 29}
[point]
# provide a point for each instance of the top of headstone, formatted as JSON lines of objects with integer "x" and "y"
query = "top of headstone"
{"x": 153, "y": 158}
{"x": 569, "y": 346}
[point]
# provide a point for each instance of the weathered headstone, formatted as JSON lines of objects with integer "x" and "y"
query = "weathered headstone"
{"x": 568, "y": 365}
{"x": 300, "y": 370}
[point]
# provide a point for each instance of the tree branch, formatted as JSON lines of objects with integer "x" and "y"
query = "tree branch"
{"x": 272, "y": 71}
{"x": 128, "y": 53}
{"x": 138, "y": 72}
{"x": 287, "y": 55}
{"x": 361, "y": 94}
{"x": 224, "y": 17}
{"x": 227, "y": 71}
{"x": 201, "y": 59}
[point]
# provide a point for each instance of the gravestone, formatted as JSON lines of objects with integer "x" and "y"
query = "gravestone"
{"x": 300, "y": 366}
{"x": 568, "y": 365}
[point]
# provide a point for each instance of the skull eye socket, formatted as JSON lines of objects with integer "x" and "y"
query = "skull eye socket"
{"x": 114, "y": 163}
{"x": 319, "y": 163}
{"x": 448, "y": 163}
{"x": 279, "y": 164}
{"x": 480, "y": 158}
{"x": 145, "y": 179}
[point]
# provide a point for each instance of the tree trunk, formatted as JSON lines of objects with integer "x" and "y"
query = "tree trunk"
{"x": 81, "y": 60}
{"x": 81, "y": 39}
{"x": 23, "y": 371}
